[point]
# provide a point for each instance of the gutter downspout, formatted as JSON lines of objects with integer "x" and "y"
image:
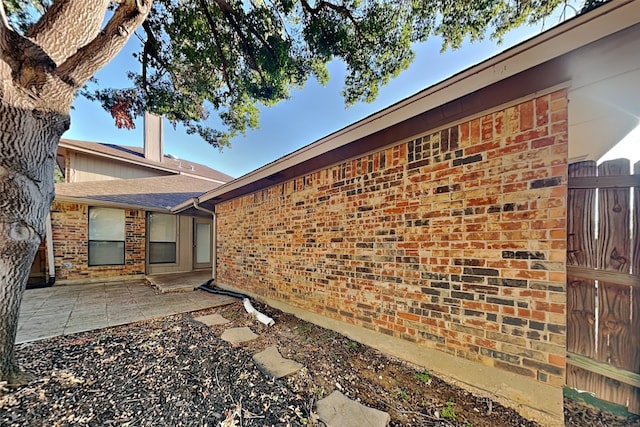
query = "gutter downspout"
{"x": 263, "y": 318}
{"x": 51, "y": 268}
{"x": 214, "y": 254}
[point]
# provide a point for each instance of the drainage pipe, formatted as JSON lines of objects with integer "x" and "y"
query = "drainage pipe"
{"x": 207, "y": 286}
{"x": 260, "y": 316}
{"x": 214, "y": 253}
{"x": 213, "y": 289}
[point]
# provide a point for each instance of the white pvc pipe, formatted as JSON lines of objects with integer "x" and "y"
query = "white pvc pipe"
{"x": 49, "y": 242}
{"x": 260, "y": 316}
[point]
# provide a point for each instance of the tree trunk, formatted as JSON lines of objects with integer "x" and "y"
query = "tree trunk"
{"x": 39, "y": 75}
{"x": 28, "y": 143}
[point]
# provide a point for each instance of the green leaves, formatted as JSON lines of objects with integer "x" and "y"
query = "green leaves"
{"x": 232, "y": 55}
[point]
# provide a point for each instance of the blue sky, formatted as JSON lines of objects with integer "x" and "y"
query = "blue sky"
{"x": 311, "y": 113}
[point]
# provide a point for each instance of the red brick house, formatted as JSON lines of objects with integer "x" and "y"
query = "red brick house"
{"x": 112, "y": 218}
{"x": 436, "y": 229}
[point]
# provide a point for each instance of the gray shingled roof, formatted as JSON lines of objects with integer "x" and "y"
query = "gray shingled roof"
{"x": 156, "y": 192}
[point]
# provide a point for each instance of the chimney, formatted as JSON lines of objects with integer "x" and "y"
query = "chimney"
{"x": 153, "y": 137}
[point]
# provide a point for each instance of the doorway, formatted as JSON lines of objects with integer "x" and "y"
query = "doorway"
{"x": 201, "y": 243}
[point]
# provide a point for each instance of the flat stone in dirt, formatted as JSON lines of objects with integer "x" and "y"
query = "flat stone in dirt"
{"x": 336, "y": 410}
{"x": 212, "y": 320}
{"x": 238, "y": 335}
{"x": 271, "y": 362}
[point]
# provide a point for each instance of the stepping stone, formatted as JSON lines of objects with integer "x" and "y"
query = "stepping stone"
{"x": 212, "y": 320}
{"x": 238, "y": 335}
{"x": 336, "y": 410}
{"x": 274, "y": 365}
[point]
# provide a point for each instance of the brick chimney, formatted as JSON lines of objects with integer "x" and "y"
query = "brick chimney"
{"x": 153, "y": 137}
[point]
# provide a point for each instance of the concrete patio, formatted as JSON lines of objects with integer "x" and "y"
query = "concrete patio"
{"x": 67, "y": 309}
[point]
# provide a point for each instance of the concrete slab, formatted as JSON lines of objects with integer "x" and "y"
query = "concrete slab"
{"x": 212, "y": 320}
{"x": 66, "y": 309}
{"x": 238, "y": 335}
{"x": 179, "y": 282}
{"x": 336, "y": 410}
{"x": 271, "y": 362}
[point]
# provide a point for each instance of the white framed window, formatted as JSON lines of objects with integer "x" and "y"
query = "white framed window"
{"x": 162, "y": 238}
{"x": 106, "y": 236}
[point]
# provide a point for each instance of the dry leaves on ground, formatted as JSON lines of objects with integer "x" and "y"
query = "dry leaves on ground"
{"x": 177, "y": 372}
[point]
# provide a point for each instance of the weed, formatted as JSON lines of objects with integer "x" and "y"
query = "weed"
{"x": 352, "y": 345}
{"x": 449, "y": 411}
{"x": 423, "y": 376}
{"x": 232, "y": 315}
{"x": 305, "y": 330}
{"x": 318, "y": 391}
{"x": 402, "y": 394}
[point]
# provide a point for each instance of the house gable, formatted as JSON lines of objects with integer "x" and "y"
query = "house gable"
{"x": 84, "y": 161}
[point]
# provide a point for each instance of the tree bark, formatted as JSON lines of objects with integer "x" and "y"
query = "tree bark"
{"x": 39, "y": 75}
{"x": 28, "y": 144}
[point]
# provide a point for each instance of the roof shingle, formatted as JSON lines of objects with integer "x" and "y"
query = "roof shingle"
{"x": 156, "y": 192}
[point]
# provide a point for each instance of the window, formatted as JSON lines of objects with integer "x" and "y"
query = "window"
{"x": 106, "y": 236}
{"x": 162, "y": 238}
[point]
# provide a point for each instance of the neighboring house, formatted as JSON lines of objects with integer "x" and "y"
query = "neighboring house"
{"x": 436, "y": 229}
{"x": 112, "y": 217}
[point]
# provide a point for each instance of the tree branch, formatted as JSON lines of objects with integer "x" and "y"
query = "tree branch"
{"x": 230, "y": 14}
{"x": 342, "y": 10}
{"x": 151, "y": 50}
{"x": 67, "y": 26}
{"x": 82, "y": 65}
{"x": 216, "y": 37}
{"x": 24, "y": 57}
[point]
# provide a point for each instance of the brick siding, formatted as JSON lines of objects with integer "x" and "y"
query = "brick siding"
{"x": 455, "y": 240}
{"x": 70, "y": 224}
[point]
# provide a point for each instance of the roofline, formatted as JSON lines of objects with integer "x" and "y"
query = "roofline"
{"x": 64, "y": 144}
{"x": 204, "y": 178}
{"x": 560, "y": 40}
{"x": 184, "y": 205}
{"x": 105, "y": 203}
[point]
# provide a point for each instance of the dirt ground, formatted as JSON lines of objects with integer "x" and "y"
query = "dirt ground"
{"x": 177, "y": 372}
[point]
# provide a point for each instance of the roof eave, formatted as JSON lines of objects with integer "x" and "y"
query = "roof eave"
{"x": 106, "y": 203}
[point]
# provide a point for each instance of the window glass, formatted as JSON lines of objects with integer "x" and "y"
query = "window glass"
{"x": 162, "y": 238}
{"x": 162, "y": 227}
{"x": 106, "y": 236}
{"x": 106, "y": 224}
{"x": 106, "y": 253}
{"x": 203, "y": 245}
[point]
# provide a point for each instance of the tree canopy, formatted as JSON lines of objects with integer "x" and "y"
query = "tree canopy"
{"x": 198, "y": 56}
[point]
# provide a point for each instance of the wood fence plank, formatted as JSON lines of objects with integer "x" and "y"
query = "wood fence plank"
{"x": 605, "y": 181}
{"x": 581, "y": 293}
{"x": 581, "y": 247}
{"x": 581, "y": 310}
{"x": 634, "y": 401}
{"x": 605, "y": 276}
{"x": 606, "y": 369}
{"x": 614, "y": 248}
{"x": 614, "y": 337}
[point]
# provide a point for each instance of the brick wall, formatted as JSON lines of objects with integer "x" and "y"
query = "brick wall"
{"x": 70, "y": 225}
{"x": 455, "y": 240}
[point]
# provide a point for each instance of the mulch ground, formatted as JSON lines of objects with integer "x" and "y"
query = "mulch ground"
{"x": 178, "y": 372}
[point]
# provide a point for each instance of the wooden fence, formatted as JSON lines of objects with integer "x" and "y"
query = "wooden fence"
{"x": 603, "y": 281}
